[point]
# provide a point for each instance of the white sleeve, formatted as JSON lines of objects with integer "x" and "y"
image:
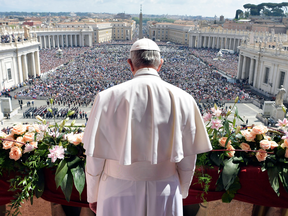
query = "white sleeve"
{"x": 185, "y": 169}
{"x": 94, "y": 168}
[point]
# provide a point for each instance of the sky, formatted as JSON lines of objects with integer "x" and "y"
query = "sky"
{"x": 205, "y": 8}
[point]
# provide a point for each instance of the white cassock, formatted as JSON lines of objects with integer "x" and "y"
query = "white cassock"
{"x": 141, "y": 142}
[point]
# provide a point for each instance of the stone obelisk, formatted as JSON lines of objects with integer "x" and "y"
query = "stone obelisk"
{"x": 140, "y": 24}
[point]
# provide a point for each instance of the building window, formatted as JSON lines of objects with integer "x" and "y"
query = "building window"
{"x": 282, "y": 77}
{"x": 266, "y": 75}
{"x": 9, "y": 73}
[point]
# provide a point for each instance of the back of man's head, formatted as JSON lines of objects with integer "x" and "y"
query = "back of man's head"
{"x": 145, "y": 53}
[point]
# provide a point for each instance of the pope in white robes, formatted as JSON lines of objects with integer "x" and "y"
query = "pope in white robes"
{"x": 141, "y": 142}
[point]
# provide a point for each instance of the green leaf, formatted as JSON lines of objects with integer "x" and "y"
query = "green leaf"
{"x": 74, "y": 163}
{"x": 226, "y": 127}
{"x": 273, "y": 179}
{"x": 40, "y": 184}
{"x": 67, "y": 185}
{"x": 284, "y": 178}
{"x": 72, "y": 149}
{"x": 61, "y": 171}
{"x": 215, "y": 157}
{"x": 227, "y": 197}
{"x": 229, "y": 173}
{"x": 79, "y": 178}
{"x": 234, "y": 122}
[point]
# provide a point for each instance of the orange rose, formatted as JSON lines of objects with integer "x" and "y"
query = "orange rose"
{"x": 261, "y": 155}
{"x": 273, "y": 144}
{"x": 29, "y": 137}
{"x": 265, "y": 144}
{"x": 20, "y": 139}
{"x": 75, "y": 139}
{"x": 245, "y": 146}
{"x": 7, "y": 144}
{"x": 232, "y": 152}
{"x": 285, "y": 144}
{"x": 15, "y": 153}
{"x": 3, "y": 135}
{"x": 222, "y": 142}
{"x": 34, "y": 144}
{"x": 249, "y": 136}
{"x": 19, "y": 129}
{"x": 259, "y": 129}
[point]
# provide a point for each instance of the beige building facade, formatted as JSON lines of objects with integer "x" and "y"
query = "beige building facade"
{"x": 265, "y": 68}
{"x": 177, "y": 33}
{"x": 19, "y": 61}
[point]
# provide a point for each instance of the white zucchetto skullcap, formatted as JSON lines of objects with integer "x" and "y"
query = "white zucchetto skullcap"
{"x": 144, "y": 44}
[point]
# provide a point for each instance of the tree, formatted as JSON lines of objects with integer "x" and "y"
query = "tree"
{"x": 237, "y": 13}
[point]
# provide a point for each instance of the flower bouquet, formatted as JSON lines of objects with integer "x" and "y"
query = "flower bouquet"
{"x": 30, "y": 148}
{"x": 236, "y": 146}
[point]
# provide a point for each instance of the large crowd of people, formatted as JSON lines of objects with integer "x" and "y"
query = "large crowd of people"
{"x": 228, "y": 63}
{"x": 105, "y": 65}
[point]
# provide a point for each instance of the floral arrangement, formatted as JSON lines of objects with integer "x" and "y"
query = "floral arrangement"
{"x": 30, "y": 148}
{"x": 236, "y": 146}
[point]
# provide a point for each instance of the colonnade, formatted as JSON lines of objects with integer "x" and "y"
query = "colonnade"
{"x": 215, "y": 42}
{"x": 28, "y": 65}
{"x": 60, "y": 40}
{"x": 247, "y": 68}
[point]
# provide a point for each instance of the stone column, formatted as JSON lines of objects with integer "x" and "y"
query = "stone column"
{"x": 44, "y": 37}
{"x": 255, "y": 73}
{"x": 62, "y": 41}
{"x": 49, "y": 42}
{"x": 218, "y": 42}
{"x": 40, "y": 40}
{"x": 75, "y": 40}
{"x": 66, "y": 40}
{"x": 33, "y": 66}
{"x": 209, "y": 42}
{"x": 205, "y": 38}
{"x": 213, "y": 43}
{"x": 222, "y": 42}
{"x": 71, "y": 40}
{"x": 24, "y": 67}
{"x": 230, "y": 44}
{"x": 226, "y": 43}
{"x": 240, "y": 65}
{"x": 251, "y": 71}
{"x": 53, "y": 41}
{"x": 37, "y": 63}
{"x": 20, "y": 73}
{"x": 243, "y": 75}
{"x": 234, "y": 45}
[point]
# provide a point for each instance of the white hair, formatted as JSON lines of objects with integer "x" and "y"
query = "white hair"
{"x": 145, "y": 58}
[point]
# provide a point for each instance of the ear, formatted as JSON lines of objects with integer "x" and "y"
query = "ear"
{"x": 131, "y": 66}
{"x": 160, "y": 65}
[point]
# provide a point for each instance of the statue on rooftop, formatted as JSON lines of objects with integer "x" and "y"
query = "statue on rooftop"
{"x": 279, "y": 97}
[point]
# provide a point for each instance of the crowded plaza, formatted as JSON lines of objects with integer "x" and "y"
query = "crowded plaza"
{"x": 75, "y": 78}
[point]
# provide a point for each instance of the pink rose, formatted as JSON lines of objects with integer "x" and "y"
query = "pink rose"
{"x": 34, "y": 144}
{"x": 261, "y": 155}
{"x": 244, "y": 146}
{"x": 265, "y": 144}
{"x": 259, "y": 129}
{"x": 75, "y": 139}
{"x": 3, "y": 135}
{"x": 19, "y": 129}
{"x": 15, "y": 153}
{"x": 232, "y": 152}
{"x": 222, "y": 142}
{"x": 273, "y": 144}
